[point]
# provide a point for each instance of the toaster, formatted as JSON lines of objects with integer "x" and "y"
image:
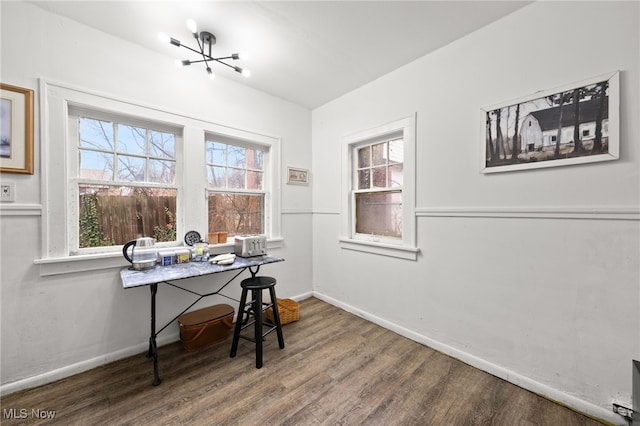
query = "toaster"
{"x": 250, "y": 245}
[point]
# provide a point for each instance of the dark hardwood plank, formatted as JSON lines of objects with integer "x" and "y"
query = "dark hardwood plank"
{"x": 336, "y": 368}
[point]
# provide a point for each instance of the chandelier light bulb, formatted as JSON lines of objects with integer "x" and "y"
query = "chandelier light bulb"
{"x": 246, "y": 73}
{"x": 164, "y": 38}
{"x": 193, "y": 27}
{"x": 241, "y": 55}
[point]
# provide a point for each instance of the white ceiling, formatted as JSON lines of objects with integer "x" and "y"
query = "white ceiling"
{"x": 308, "y": 52}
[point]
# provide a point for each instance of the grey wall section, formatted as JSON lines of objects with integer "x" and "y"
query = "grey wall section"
{"x": 532, "y": 275}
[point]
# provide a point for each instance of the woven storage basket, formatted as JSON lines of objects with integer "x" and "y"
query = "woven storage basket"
{"x": 206, "y": 326}
{"x": 288, "y": 309}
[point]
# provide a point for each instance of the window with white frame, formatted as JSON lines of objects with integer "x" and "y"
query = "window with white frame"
{"x": 236, "y": 193}
{"x": 379, "y": 190}
{"x": 114, "y": 170}
{"x": 122, "y": 178}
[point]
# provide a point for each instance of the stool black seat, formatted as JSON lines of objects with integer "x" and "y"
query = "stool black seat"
{"x": 252, "y": 313}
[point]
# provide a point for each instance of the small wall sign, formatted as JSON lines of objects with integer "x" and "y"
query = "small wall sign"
{"x": 297, "y": 176}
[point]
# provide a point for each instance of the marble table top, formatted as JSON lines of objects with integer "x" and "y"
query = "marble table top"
{"x": 131, "y": 278}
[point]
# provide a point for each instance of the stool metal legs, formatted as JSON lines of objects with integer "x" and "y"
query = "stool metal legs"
{"x": 276, "y": 317}
{"x": 257, "y": 327}
{"x": 239, "y": 321}
{"x": 256, "y": 308}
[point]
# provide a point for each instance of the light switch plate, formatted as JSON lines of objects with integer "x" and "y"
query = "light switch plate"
{"x": 7, "y": 192}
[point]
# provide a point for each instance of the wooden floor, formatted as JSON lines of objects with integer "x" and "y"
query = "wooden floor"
{"x": 336, "y": 368}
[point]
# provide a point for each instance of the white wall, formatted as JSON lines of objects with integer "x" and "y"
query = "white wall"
{"x": 547, "y": 297}
{"x": 546, "y": 302}
{"x": 53, "y": 326}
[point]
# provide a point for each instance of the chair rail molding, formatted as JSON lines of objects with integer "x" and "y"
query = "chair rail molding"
{"x": 20, "y": 209}
{"x": 556, "y": 212}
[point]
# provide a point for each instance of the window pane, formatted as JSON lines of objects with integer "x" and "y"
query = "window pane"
{"x": 96, "y": 134}
{"x": 395, "y": 176}
{"x": 161, "y": 171}
{"x": 131, "y": 168}
{"x": 236, "y": 178}
{"x": 254, "y": 180}
{"x": 396, "y": 151}
{"x": 132, "y": 140}
{"x": 379, "y": 214}
{"x": 216, "y": 176}
{"x": 236, "y": 214}
{"x": 379, "y": 154}
{"x": 364, "y": 179}
{"x": 364, "y": 157}
{"x": 254, "y": 159}
{"x": 237, "y": 156}
{"x": 96, "y": 165}
{"x": 216, "y": 153}
{"x": 380, "y": 177}
{"x": 162, "y": 144}
{"x": 113, "y": 215}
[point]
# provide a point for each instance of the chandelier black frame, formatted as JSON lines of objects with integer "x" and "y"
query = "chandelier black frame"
{"x": 205, "y": 41}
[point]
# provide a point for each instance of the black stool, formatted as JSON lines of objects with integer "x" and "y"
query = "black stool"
{"x": 255, "y": 308}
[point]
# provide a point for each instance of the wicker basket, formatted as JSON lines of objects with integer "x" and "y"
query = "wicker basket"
{"x": 288, "y": 309}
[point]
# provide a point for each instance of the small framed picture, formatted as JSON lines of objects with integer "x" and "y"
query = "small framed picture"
{"x": 16, "y": 129}
{"x": 297, "y": 176}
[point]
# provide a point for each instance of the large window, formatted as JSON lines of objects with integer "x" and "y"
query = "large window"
{"x": 235, "y": 179}
{"x": 114, "y": 170}
{"x": 124, "y": 180}
{"x": 378, "y": 168}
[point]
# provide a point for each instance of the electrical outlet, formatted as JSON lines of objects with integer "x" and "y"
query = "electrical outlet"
{"x": 625, "y": 412}
{"x": 7, "y": 192}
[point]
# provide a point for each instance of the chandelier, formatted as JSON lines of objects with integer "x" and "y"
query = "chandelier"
{"x": 205, "y": 41}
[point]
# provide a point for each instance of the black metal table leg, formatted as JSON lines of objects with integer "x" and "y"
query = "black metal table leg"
{"x": 254, "y": 273}
{"x": 153, "y": 346}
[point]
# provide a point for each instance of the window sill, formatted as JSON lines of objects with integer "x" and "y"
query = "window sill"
{"x": 80, "y": 263}
{"x": 94, "y": 262}
{"x": 401, "y": 252}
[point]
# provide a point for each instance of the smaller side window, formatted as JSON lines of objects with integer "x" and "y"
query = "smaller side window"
{"x": 236, "y": 187}
{"x": 378, "y": 188}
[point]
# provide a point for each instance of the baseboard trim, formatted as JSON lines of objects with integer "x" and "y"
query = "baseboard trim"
{"x": 79, "y": 367}
{"x": 524, "y": 382}
{"x": 302, "y": 296}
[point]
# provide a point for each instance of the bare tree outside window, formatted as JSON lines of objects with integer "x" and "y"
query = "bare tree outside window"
{"x": 112, "y": 155}
{"x": 236, "y": 198}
